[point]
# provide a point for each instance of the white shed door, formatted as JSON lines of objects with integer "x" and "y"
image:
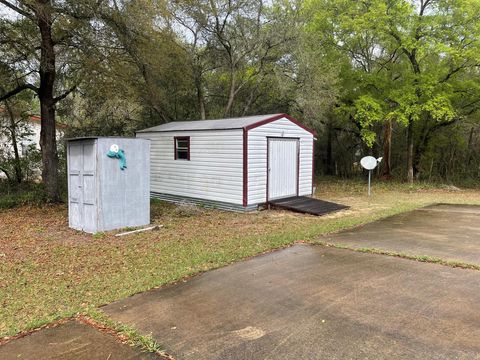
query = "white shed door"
{"x": 282, "y": 167}
{"x": 81, "y": 186}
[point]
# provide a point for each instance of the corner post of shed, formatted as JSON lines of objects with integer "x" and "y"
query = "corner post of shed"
{"x": 245, "y": 167}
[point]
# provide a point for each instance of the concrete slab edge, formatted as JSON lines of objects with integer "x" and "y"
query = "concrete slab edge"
{"x": 86, "y": 320}
{"x": 418, "y": 258}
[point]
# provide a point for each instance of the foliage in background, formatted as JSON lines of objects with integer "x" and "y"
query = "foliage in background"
{"x": 13, "y": 195}
{"x": 409, "y": 62}
{"x": 397, "y": 78}
{"x": 19, "y": 158}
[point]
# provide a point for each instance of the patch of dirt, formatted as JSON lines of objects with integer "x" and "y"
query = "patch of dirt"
{"x": 27, "y": 230}
{"x": 187, "y": 210}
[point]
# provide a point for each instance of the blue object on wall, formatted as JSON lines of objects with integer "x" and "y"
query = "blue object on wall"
{"x": 120, "y": 154}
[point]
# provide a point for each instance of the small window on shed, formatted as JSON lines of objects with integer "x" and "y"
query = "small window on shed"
{"x": 182, "y": 148}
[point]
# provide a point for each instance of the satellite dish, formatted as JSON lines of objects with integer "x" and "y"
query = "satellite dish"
{"x": 368, "y": 162}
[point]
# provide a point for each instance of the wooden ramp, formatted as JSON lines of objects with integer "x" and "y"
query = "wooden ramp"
{"x": 307, "y": 205}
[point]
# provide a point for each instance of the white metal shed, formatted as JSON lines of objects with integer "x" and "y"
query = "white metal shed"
{"x": 235, "y": 164}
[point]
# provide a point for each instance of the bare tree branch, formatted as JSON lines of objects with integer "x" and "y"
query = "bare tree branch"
{"x": 17, "y": 90}
{"x": 18, "y": 10}
{"x": 65, "y": 94}
{"x": 7, "y": 174}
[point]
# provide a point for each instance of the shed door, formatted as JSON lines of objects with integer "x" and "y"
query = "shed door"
{"x": 282, "y": 168}
{"x": 81, "y": 186}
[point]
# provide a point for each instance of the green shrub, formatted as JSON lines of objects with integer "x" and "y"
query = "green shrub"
{"x": 13, "y": 195}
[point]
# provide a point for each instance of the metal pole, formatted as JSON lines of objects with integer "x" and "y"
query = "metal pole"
{"x": 369, "y": 177}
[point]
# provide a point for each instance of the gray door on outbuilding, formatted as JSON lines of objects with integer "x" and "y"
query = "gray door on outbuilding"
{"x": 82, "y": 168}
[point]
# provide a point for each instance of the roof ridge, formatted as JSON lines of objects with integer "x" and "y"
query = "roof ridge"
{"x": 213, "y": 124}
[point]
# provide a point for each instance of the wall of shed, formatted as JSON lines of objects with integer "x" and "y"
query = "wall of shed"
{"x": 101, "y": 196}
{"x": 214, "y": 171}
{"x": 257, "y": 157}
{"x": 124, "y": 194}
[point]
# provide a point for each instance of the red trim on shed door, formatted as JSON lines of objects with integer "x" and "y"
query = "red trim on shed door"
{"x": 268, "y": 169}
{"x": 313, "y": 165}
{"x": 245, "y": 167}
{"x": 268, "y": 163}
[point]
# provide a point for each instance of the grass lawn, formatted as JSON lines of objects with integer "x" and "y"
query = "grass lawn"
{"x": 48, "y": 271}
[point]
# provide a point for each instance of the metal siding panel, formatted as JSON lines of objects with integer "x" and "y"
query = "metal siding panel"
{"x": 74, "y": 188}
{"x": 75, "y": 157}
{"x": 74, "y": 167}
{"x": 75, "y": 215}
{"x": 124, "y": 194}
{"x": 89, "y": 158}
{"x": 89, "y": 191}
{"x": 89, "y": 218}
{"x": 214, "y": 171}
{"x": 306, "y": 168}
{"x": 203, "y": 202}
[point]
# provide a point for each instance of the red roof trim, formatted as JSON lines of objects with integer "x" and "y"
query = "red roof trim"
{"x": 37, "y": 119}
{"x": 278, "y": 117}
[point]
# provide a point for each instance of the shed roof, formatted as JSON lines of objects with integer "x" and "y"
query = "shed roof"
{"x": 245, "y": 122}
{"x": 93, "y": 137}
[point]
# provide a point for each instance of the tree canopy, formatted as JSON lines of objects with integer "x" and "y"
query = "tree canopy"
{"x": 398, "y": 77}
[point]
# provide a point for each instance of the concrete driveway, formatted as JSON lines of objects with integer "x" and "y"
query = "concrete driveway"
{"x": 448, "y": 232}
{"x": 313, "y": 302}
{"x": 72, "y": 341}
{"x": 308, "y": 302}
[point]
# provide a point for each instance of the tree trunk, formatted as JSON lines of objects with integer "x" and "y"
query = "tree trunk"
{"x": 7, "y": 174}
{"x": 231, "y": 95}
{"x": 410, "y": 174}
{"x": 250, "y": 101}
{"x": 13, "y": 133}
{"x": 329, "y": 158}
{"x": 387, "y": 150}
{"x": 200, "y": 98}
{"x": 470, "y": 149}
{"x": 417, "y": 158}
{"x": 48, "y": 141}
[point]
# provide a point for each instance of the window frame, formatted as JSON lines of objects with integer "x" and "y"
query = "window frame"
{"x": 175, "y": 153}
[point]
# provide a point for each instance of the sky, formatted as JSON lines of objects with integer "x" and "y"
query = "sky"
{"x": 7, "y": 13}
